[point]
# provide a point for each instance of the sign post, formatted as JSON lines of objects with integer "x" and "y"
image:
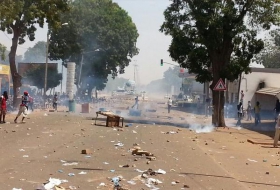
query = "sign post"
{"x": 220, "y": 86}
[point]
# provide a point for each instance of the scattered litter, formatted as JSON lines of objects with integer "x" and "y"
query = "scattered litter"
{"x": 53, "y": 182}
{"x": 82, "y": 173}
{"x": 252, "y": 160}
{"x": 160, "y": 171}
{"x": 140, "y": 171}
{"x": 112, "y": 171}
{"x": 124, "y": 166}
{"x": 71, "y": 174}
{"x": 151, "y": 182}
{"x": 72, "y": 187}
{"x": 134, "y": 131}
{"x": 60, "y": 171}
{"x": 21, "y": 150}
{"x": 86, "y": 151}
{"x": 116, "y": 181}
{"x": 45, "y": 114}
{"x": 171, "y": 132}
{"x": 62, "y": 161}
{"x": 119, "y": 144}
{"x": 87, "y": 156}
{"x": 173, "y": 183}
{"x": 101, "y": 184}
{"x": 16, "y": 189}
{"x": 25, "y": 156}
{"x": 70, "y": 164}
{"x": 131, "y": 182}
{"x": 106, "y": 163}
{"x": 231, "y": 157}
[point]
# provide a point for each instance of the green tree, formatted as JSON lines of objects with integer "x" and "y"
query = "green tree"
{"x": 36, "y": 54}
{"x": 270, "y": 55}
{"x": 34, "y": 76}
{"x": 211, "y": 38}
{"x": 20, "y": 18}
{"x": 171, "y": 77}
{"x": 101, "y": 35}
{"x": 2, "y": 52}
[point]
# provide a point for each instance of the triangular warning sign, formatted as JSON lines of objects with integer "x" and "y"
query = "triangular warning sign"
{"x": 220, "y": 85}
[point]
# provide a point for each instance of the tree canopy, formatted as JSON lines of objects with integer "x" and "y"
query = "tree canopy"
{"x": 171, "y": 78}
{"x": 101, "y": 35}
{"x": 218, "y": 38}
{"x": 21, "y": 18}
{"x": 2, "y": 52}
{"x": 34, "y": 77}
{"x": 270, "y": 55}
{"x": 36, "y": 54}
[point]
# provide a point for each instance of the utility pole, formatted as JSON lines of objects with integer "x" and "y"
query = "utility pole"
{"x": 46, "y": 65}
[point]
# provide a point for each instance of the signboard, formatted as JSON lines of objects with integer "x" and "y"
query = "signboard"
{"x": 4, "y": 69}
{"x": 220, "y": 86}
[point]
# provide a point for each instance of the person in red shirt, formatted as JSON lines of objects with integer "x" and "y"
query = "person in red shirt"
{"x": 31, "y": 102}
{"x": 3, "y": 108}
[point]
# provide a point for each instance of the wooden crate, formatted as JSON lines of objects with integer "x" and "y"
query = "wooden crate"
{"x": 112, "y": 121}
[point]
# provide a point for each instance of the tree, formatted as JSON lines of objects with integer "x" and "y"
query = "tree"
{"x": 34, "y": 76}
{"x": 2, "y": 52}
{"x": 211, "y": 39}
{"x": 171, "y": 77}
{"x": 20, "y": 19}
{"x": 36, "y": 54}
{"x": 270, "y": 55}
{"x": 101, "y": 35}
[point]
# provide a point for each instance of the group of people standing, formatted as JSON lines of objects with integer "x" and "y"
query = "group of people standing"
{"x": 249, "y": 110}
{"x": 27, "y": 103}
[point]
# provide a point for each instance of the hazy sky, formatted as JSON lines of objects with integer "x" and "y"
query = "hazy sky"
{"x": 153, "y": 45}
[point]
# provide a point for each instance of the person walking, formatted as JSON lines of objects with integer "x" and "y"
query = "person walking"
{"x": 136, "y": 102}
{"x": 257, "y": 110}
{"x": 277, "y": 132}
{"x": 169, "y": 105}
{"x": 249, "y": 111}
{"x": 277, "y": 109}
{"x": 3, "y": 108}
{"x": 31, "y": 102}
{"x": 23, "y": 107}
{"x": 239, "y": 113}
{"x": 55, "y": 102}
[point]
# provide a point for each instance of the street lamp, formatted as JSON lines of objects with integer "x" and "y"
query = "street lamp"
{"x": 47, "y": 53}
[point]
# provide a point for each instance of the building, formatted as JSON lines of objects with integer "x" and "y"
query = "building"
{"x": 262, "y": 84}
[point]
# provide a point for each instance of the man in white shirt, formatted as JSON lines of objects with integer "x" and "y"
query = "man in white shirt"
{"x": 277, "y": 132}
{"x": 169, "y": 103}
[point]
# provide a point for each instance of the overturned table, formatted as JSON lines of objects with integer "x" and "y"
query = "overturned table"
{"x": 112, "y": 120}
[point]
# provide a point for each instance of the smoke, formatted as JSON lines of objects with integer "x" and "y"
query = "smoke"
{"x": 199, "y": 128}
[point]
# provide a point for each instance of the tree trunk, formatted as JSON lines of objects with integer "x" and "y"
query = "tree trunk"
{"x": 218, "y": 118}
{"x": 12, "y": 59}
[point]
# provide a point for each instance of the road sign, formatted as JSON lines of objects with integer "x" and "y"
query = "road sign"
{"x": 220, "y": 86}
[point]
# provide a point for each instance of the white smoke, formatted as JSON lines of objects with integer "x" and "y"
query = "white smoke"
{"x": 199, "y": 128}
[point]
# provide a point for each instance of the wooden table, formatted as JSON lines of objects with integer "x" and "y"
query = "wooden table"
{"x": 112, "y": 120}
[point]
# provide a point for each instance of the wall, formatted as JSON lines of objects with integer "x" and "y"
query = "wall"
{"x": 250, "y": 84}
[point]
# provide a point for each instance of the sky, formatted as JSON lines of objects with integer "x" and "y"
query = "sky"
{"x": 153, "y": 45}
